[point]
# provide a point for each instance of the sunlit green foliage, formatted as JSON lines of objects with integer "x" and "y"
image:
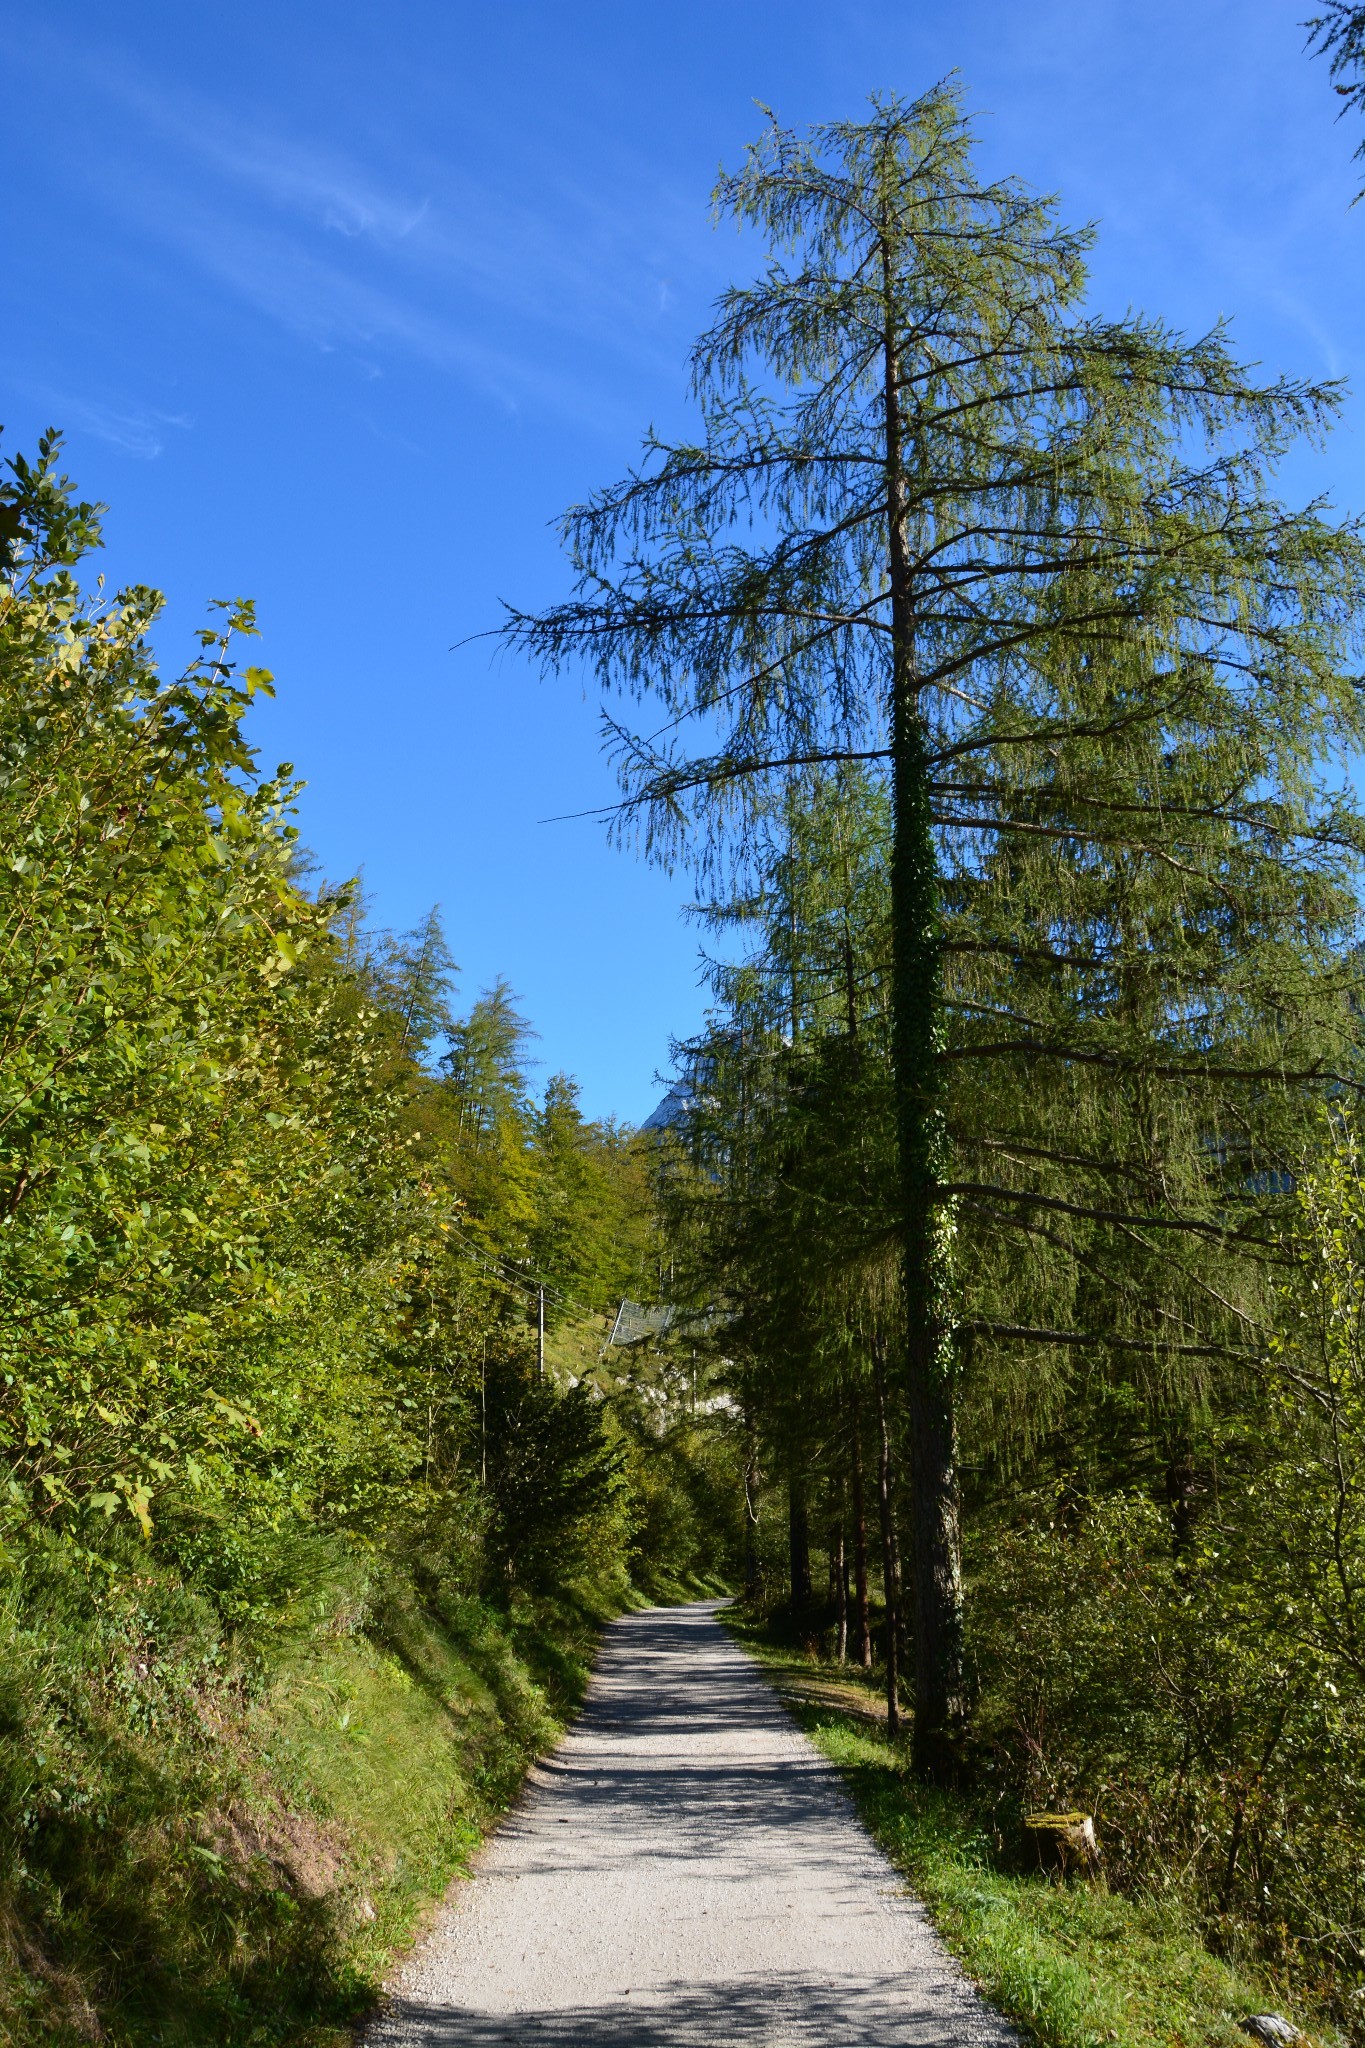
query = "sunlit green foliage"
{"x": 275, "y": 1219}
{"x": 195, "y": 1145}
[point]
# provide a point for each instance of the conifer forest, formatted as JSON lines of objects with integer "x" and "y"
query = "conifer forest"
{"x": 986, "y": 1316}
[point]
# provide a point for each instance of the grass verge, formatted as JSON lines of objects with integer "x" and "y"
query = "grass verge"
{"x": 192, "y": 1851}
{"x": 1074, "y": 1964}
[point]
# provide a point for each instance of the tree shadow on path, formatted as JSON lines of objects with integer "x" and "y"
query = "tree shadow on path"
{"x": 766, "y": 2012}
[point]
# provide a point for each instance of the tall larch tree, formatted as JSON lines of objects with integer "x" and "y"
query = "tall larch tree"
{"x": 927, "y": 482}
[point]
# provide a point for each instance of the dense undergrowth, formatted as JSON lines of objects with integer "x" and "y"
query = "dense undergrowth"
{"x": 1077, "y": 1964}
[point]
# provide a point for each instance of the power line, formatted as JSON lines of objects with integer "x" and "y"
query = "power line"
{"x": 490, "y": 1266}
{"x": 514, "y": 1271}
{"x": 511, "y": 1275}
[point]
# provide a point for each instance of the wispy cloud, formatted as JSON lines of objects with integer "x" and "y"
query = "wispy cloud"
{"x": 332, "y": 308}
{"x": 137, "y": 430}
{"x": 538, "y": 300}
{"x": 310, "y": 180}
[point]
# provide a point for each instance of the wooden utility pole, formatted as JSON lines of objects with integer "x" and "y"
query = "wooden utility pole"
{"x": 540, "y": 1331}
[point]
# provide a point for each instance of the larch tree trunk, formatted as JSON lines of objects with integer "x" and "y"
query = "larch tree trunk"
{"x": 916, "y": 944}
{"x": 798, "y": 1530}
{"x": 862, "y": 1629}
{"x": 752, "y": 1479}
{"x": 891, "y": 1564}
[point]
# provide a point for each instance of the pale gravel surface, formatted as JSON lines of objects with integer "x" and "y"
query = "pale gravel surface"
{"x": 685, "y": 1869}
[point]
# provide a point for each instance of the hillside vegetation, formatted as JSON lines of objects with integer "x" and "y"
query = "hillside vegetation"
{"x": 303, "y": 1554}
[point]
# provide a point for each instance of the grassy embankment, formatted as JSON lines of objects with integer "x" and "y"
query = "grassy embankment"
{"x": 1076, "y": 1965}
{"x": 226, "y": 1840}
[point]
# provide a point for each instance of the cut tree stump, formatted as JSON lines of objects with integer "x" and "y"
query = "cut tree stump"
{"x": 1065, "y": 1841}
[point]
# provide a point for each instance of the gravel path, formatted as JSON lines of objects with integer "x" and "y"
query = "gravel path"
{"x": 685, "y": 1869}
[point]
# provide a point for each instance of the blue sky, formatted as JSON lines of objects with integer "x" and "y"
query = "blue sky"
{"x": 339, "y": 306}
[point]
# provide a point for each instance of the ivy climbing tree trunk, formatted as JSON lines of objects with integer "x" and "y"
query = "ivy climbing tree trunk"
{"x": 891, "y": 1561}
{"x": 862, "y": 1632}
{"x": 916, "y": 977}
